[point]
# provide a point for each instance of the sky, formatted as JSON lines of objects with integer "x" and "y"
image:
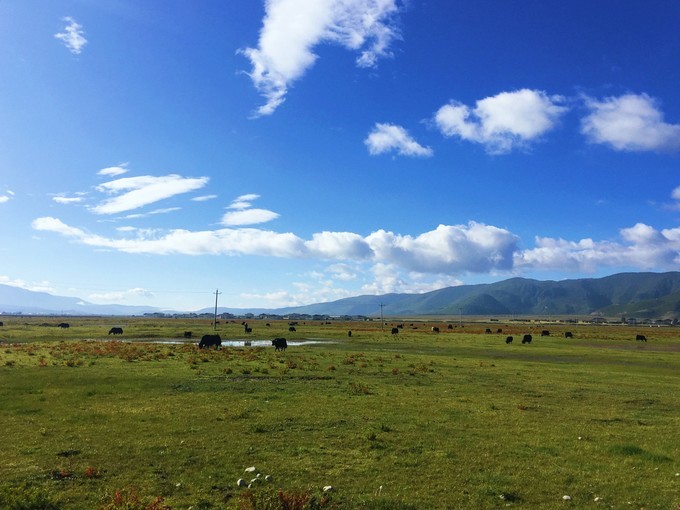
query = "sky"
{"x": 288, "y": 152}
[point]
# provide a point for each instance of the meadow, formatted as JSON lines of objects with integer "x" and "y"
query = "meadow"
{"x": 417, "y": 420}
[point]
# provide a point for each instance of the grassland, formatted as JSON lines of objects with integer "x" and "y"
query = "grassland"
{"x": 417, "y": 420}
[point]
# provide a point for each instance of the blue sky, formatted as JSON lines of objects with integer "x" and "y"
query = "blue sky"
{"x": 298, "y": 151}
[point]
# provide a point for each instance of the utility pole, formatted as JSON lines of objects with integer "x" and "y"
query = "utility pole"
{"x": 217, "y": 293}
{"x": 382, "y": 322}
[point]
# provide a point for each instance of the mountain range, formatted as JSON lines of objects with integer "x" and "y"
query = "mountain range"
{"x": 643, "y": 295}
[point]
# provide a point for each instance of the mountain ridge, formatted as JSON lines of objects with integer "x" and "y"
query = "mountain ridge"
{"x": 645, "y": 294}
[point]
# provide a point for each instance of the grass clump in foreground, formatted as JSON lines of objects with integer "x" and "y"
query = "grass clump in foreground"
{"x": 410, "y": 421}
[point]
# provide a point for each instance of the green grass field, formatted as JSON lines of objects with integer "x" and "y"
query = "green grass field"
{"x": 417, "y": 420}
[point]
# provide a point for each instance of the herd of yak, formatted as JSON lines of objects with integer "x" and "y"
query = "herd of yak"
{"x": 281, "y": 344}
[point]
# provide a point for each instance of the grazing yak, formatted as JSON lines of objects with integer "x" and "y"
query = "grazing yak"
{"x": 349, "y": 333}
{"x": 487, "y": 331}
{"x": 395, "y": 331}
{"x": 2, "y": 323}
{"x": 116, "y": 331}
{"x": 526, "y": 339}
{"x": 187, "y": 334}
{"x": 63, "y": 325}
{"x": 291, "y": 329}
{"x": 508, "y": 340}
{"x": 545, "y": 332}
{"x": 568, "y": 334}
{"x": 280, "y": 344}
{"x": 641, "y": 338}
{"x": 210, "y": 341}
{"x": 435, "y": 329}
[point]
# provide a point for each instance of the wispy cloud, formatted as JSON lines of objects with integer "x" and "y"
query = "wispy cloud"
{"x": 503, "y": 122}
{"x": 113, "y": 171}
{"x": 242, "y": 213}
{"x": 22, "y": 284}
{"x": 144, "y": 190}
{"x": 204, "y": 198}
{"x": 120, "y": 296}
{"x": 6, "y": 196}
{"x": 390, "y": 137}
{"x": 292, "y": 28}
{"x": 73, "y": 36}
{"x": 630, "y": 123}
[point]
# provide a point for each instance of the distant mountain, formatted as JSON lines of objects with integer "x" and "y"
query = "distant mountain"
{"x": 16, "y": 300}
{"x": 643, "y": 295}
{"x": 640, "y": 295}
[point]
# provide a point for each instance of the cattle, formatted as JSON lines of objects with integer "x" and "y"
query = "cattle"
{"x": 291, "y": 329}
{"x": 435, "y": 329}
{"x": 568, "y": 334}
{"x": 210, "y": 341}
{"x": 349, "y": 333}
{"x": 63, "y": 325}
{"x": 487, "y": 331}
{"x": 508, "y": 340}
{"x": 2, "y": 323}
{"x": 526, "y": 339}
{"x": 641, "y": 338}
{"x": 450, "y": 326}
{"x": 248, "y": 329}
{"x": 116, "y": 331}
{"x": 545, "y": 332}
{"x": 499, "y": 330}
{"x": 187, "y": 334}
{"x": 279, "y": 344}
{"x": 293, "y": 323}
{"x": 395, "y": 331}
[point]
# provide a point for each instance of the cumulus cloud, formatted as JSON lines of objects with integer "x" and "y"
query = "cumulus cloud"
{"x": 401, "y": 263}
{"x": 448, "y": 249}
{"x": 144, "y": 190}
{"x": 292, "y": 28}
{"x": 390, "y": 137}
{"x": 642, "y": 247}
{"x": 630, "y": 123}
{"x": 73, "y": 36}
{"x": 503, "y": 122}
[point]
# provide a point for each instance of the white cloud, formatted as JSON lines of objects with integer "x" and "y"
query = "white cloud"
{"x": 643, "y": 247}
{"x": 4, "y": 198}
{"x": 113, "y": 171}
{"x": 630, "y": 123}
{"x": 248, "y": 217}
{"x": 67, "y": 200}
{"x": 73, "y": 36}
{"x": 342, "y": 272}
{"x": 390, "y": 137}
{"x": 118, "y": 296}
{"x": 244, "y": 201}
{"x": 242, "y": 214}
{"x": 292, "y": 28}
{"x": 144, "y": 190}
{"x": 446, "y": 250}
{"x": 35, "y": 287}
{"x": 503, "y": 122}
{"x": 204, "y": 198}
